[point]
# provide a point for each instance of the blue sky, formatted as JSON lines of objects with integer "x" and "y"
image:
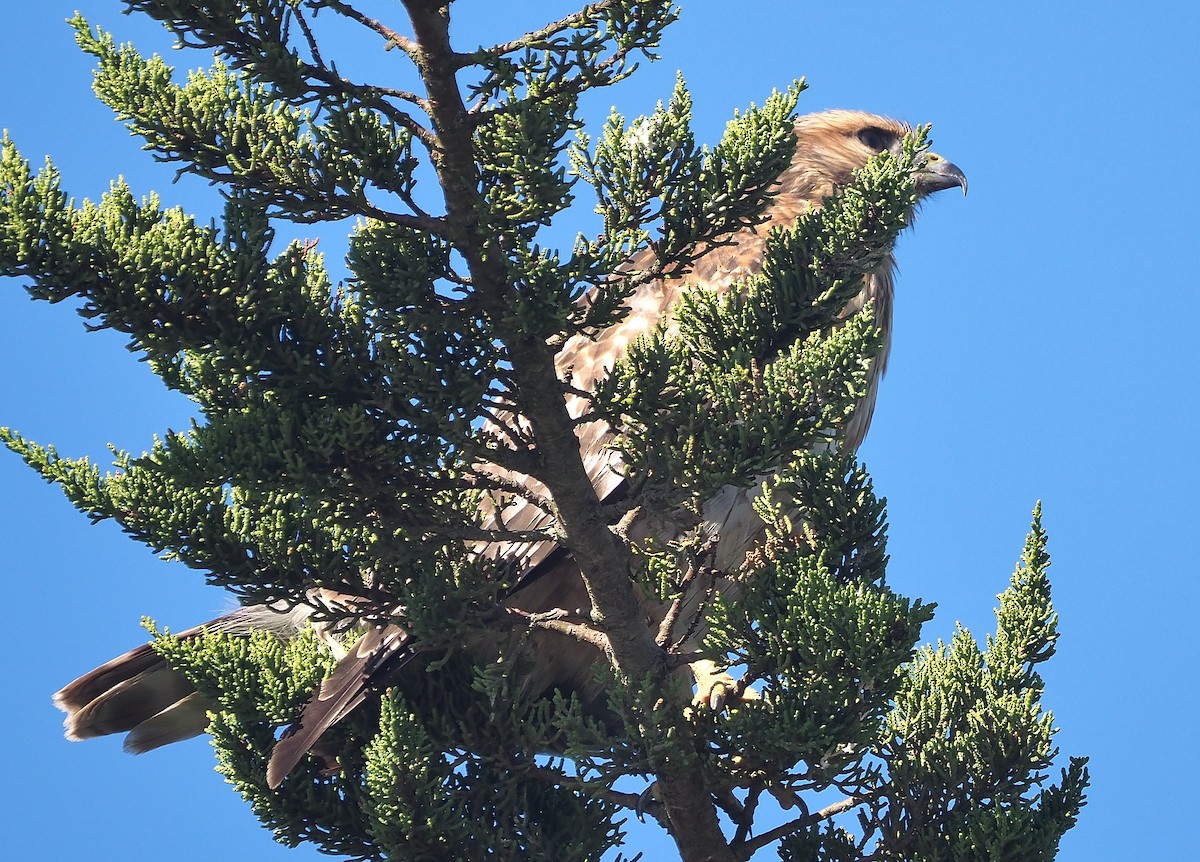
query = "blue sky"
{"x": 1044, "y": 349}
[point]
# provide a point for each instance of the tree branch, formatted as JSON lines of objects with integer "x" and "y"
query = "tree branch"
{"x": 631, "y": 801}
{"x": 565, "y": 623}
{"x": 535, "y": 36}
{"x": 392, "y": 37}
{"x": 745, "y": 850}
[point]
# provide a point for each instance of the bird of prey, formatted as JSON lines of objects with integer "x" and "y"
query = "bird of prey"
{"x": 139, "y": 694}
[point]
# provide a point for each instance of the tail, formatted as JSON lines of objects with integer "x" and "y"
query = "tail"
{"x": 138, "y": 693}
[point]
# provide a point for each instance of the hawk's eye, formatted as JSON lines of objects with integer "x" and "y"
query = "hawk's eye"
{"x": 876, "y": 139}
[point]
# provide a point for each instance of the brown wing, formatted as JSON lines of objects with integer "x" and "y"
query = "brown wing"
{"x": 376, "y": 657}
{"x": 549, "y": 580}
{"x": 831, "y": 146}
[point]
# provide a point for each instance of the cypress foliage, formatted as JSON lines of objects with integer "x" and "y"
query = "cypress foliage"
{"x": 338, "y": 444}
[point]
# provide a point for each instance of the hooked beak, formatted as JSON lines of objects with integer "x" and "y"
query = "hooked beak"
{"x": 938, "y": 174}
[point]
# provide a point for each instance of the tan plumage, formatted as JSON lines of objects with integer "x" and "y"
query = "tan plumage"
{"x": 139, "y": 694}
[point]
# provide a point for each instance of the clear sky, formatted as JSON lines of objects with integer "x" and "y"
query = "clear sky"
{"x": 1044, "y": 349}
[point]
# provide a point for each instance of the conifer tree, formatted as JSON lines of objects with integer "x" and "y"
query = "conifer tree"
{"x": 338, "y": 444}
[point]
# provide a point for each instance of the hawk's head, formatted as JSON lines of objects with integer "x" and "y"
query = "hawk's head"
{"x": 832, "y": 145}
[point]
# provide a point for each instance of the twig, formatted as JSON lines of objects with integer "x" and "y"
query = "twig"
{"x": 679, "y": 659}
{"x": 408, "y": 46}
{"x": 698, "y": 614}
{"x": 308, "y": 37}
{"x": 551, "y": 776}
{"x": 746, "y": 822}
{"x": 747, "y": 849}
{"x": 549, "y": 92}
{"x": 500, "y": 425}
{"x": 727, "y": 802}
{"x": 490, "y": 481}
{"x": 668, "y": 623}
{"x": 535, "y": 36}
{"x": 560, "y": 621}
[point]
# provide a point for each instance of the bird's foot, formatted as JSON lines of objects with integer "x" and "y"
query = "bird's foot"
{"x": 646, "y": 800}
{"x": 716, "y": 689}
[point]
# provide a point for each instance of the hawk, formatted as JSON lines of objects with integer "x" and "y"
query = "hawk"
{"x": 139, "y": 694}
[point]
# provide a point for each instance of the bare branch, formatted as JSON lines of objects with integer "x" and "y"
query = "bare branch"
{"x": 698, "y": 613}
{"x": 746, "y": 849}
{"x": 490, "y": 481}
{"x": 309, "y": 38}
{"x": 746, "y": 821}
{"x": 503, "y": 534}
{"x": 376, "y": 97}
{"x": 424, "y": 223}
{"x": 590, "y": 788}
{"x": 547, "y": 92}
{"x": 408, "y": 46}
{"x": 504, "y": 424}
{"x": 696, "y": 567}
{"x": 668, "y": 624}
{"x": 565, "y": 623}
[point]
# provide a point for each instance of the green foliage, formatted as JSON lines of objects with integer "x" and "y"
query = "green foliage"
{"x": 954, "y": 766}
{"x": 438, "y": 771}
{"x": 596, "y": 49}
{"x": 968, "y": 741}
{"x": 259, "y": 677}
{"x": 426, "y": 806}
{"x": 233, "y": 129}
{"x": 760, "y": 372}
{"x": 829, "y": 501}
{"x": 339, "y": 443}
{"x": 323, "y": 810}
{"x": 827, "y": 843}
{"x": 814, "y": 624}
{"x": 650, "y": 173}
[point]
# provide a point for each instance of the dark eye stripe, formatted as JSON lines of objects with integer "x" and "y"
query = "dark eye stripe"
{"x": 876, "y": 138}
